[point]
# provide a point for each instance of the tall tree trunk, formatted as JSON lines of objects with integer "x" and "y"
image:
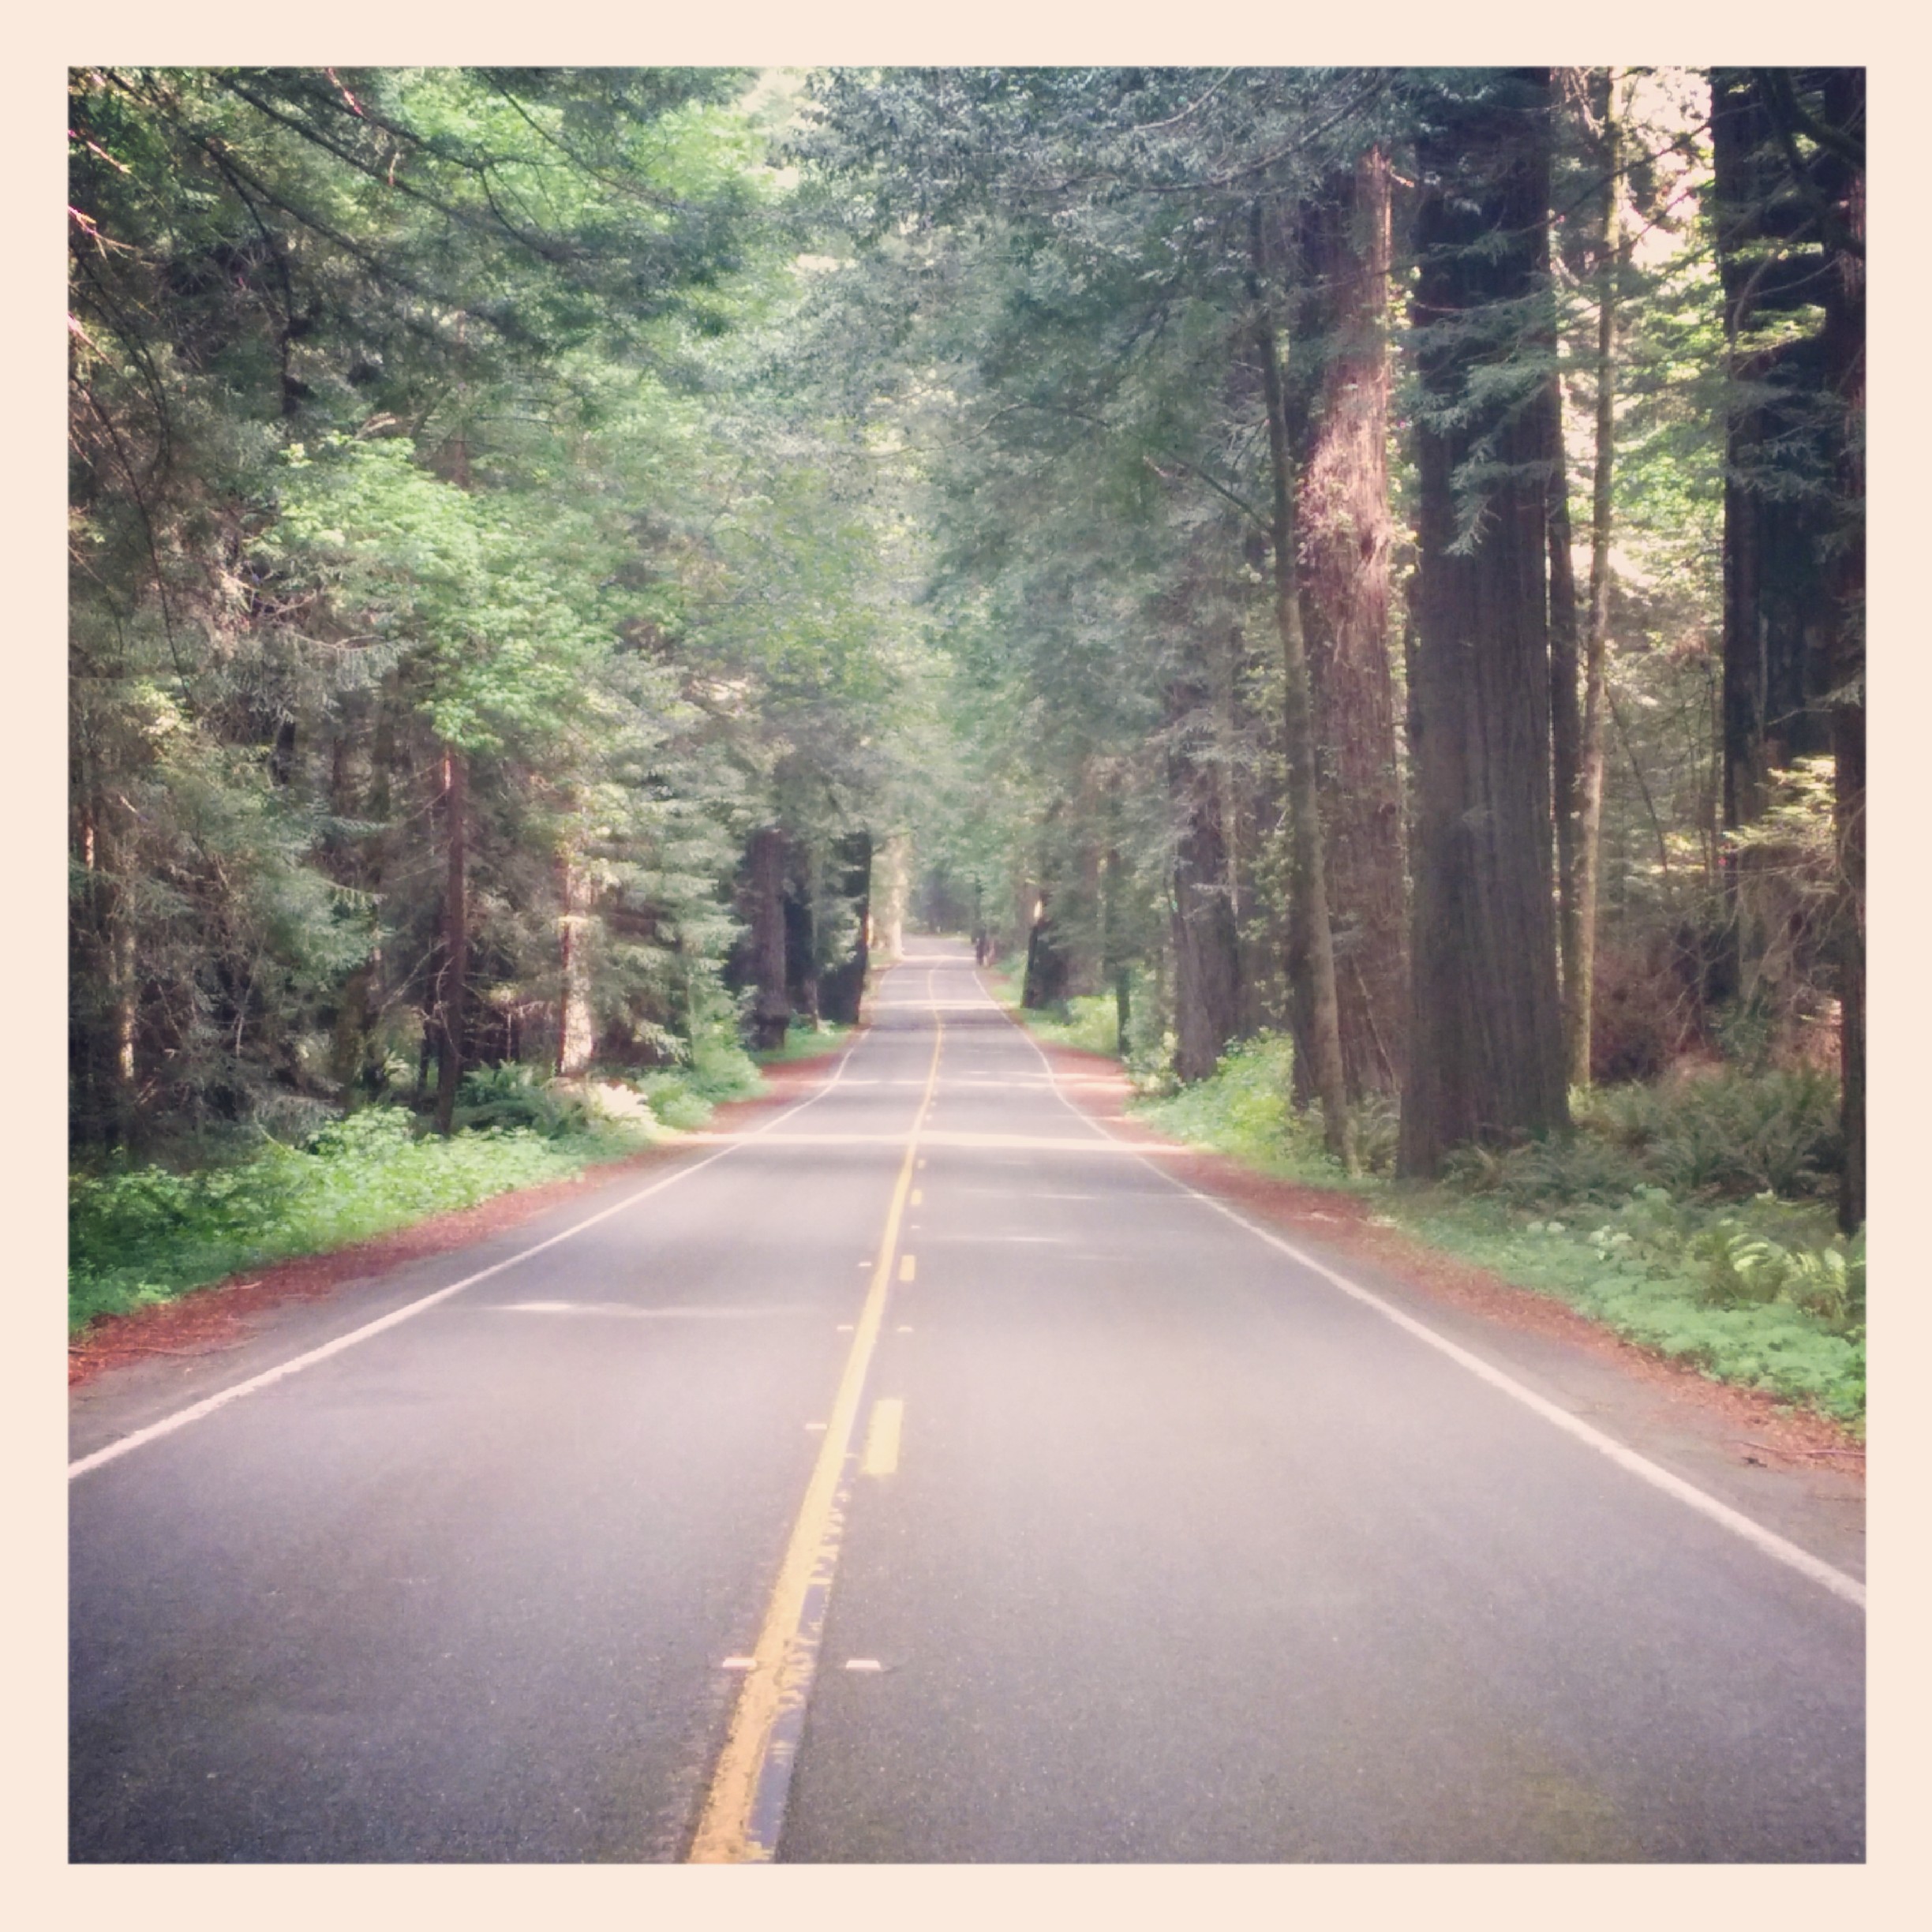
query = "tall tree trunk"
{"x": 360, "y": 863}
{"x": 1485, "y": 1041}
{"x": 1114, "y": 964}
{"x": 1843, "y": 181}
{"x": 1206, "y": 945}
{"x": 450, "y": 993}
{"x": 1778, "y": 610}
{"x": 1566, "y": 691}
{"x": 1044, "y": 983}
{"x": 1789, "y": 228}
{"x": 1580, "y": 969}
{"x": 576, "y": 1029}
{"x": 889, "y": 901}
{"x": 801, "y": 917}
{"x": 771, "y": 1008}
{"x": 1566, "y": 704}
{"x": 842, "y": 988}
{"x": 1308, "y": 884}
{"x": 124, "y": 982}
{"x": 1345, "y": 536}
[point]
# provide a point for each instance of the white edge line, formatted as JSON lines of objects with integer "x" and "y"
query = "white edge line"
{"x": 1768, "y": 1541}
{"x": 195, "y": 1411}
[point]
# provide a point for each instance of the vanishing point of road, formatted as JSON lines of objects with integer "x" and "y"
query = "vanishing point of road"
{"x": 924, "y": 1475}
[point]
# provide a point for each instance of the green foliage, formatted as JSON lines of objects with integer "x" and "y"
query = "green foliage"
{"x": 1742, "y": 1265}
{"x": 1726, "y": 1133}
{"x": 1646, "y": 1272}
{"x": 803, "y": 1041}
{"x": 421, "y": 410}
{"x": 1243, "y": 1109}
{"x": 716, "y": 1069}
{"x": 1751, "y": 1288}
{"x": 1090, "y": 1021}
{"x": 510, "y": 1095}
{"x": 1720, "y": 1134}
{"x": 144, "y": 1234}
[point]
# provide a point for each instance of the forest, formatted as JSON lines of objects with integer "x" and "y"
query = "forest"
{"x": 1346, "y": 584}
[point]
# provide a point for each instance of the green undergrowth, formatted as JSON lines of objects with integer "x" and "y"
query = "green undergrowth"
{"x": 806, "y": 1042}
{"x": 141, "y": 1234}
{"x": 1089, "y": 1021}
{"x": 148, "y": 1234}
{"x": 1691, "y": 1217}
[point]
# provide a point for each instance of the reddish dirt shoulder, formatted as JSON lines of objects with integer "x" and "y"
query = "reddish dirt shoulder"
{"x": 1340, "y": 1223}
{"x": 222, "y": 1312}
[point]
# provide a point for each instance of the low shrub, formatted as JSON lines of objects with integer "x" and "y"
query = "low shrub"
{"x": 1090, "y": 1021}
{"x": 1243, "y": 1108}
{"x": 1727, "y": 1132}
{"x": 146, "y": 1234}
{"x": 1645, "y": 1271}
{"x": 1555, "y": 1169}
{"x": 510, "y": 1095}
{"x": 1378, "y": 1130}
{"x": 137, "y": 1235}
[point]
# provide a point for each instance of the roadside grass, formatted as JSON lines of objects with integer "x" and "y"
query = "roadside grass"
{"x": 1090, "y": 1021}
{"x": 1689, "y": 1217}
{"x": 147, "y": 1234}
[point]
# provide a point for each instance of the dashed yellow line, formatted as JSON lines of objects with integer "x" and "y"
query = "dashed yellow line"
{"x": 744, "y": 1806}
{"x": 908, "y": 1265}
{"x": 882, "y": 1449}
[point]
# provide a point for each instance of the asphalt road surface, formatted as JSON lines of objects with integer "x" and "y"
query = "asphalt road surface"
{"x": 925, "y": 1475}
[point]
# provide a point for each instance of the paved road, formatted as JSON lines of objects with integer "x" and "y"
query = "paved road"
{"x": 924, "y": 1477}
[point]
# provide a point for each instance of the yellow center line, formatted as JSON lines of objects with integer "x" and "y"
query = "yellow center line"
{"x": 744, "y": 1806}
{"x": 882, "y": 1448}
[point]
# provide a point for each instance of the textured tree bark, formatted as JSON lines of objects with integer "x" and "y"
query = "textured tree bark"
{"x": 1790, "y": 231}
{"x": 1045, "y": 981}
{"x": 455, "y": 941}
{"x": 1346, "y": 533}
{"x": 1206, "y": 946}
{"x": 576, "y": 1030}
{"x": 771, "y": 1008}
{"x": 1565, "y": 707}
{"x": 801, "y": 919}
{"x": 126, "y": 983}
{"x": 1580, "y": 968}
{"x": 1844, "y": 362}
{"x": 895, "y": 872}
{"x": 1114, "y": 964}
{"x": 114, "y": 1026}
{"x": 843, "y": 988}
{"x": 1485, "y": 1044}
{"x": 1566, "y": 690}
{"x": 1778, "y": 611}
{"x": 1308, "y": 887}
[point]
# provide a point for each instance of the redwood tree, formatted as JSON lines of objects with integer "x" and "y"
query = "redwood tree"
{"x": 1486, "y": 1055}
{"x": 1346, "y": 533}
{"x": 1788, "y": 145}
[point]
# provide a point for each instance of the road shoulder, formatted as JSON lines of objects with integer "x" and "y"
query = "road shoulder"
{"x": 1791, "y": 1470}
{"x": 124, "y": 1369}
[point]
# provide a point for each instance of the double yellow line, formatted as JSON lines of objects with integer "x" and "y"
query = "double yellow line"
{"x": 745, "y": 1806}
